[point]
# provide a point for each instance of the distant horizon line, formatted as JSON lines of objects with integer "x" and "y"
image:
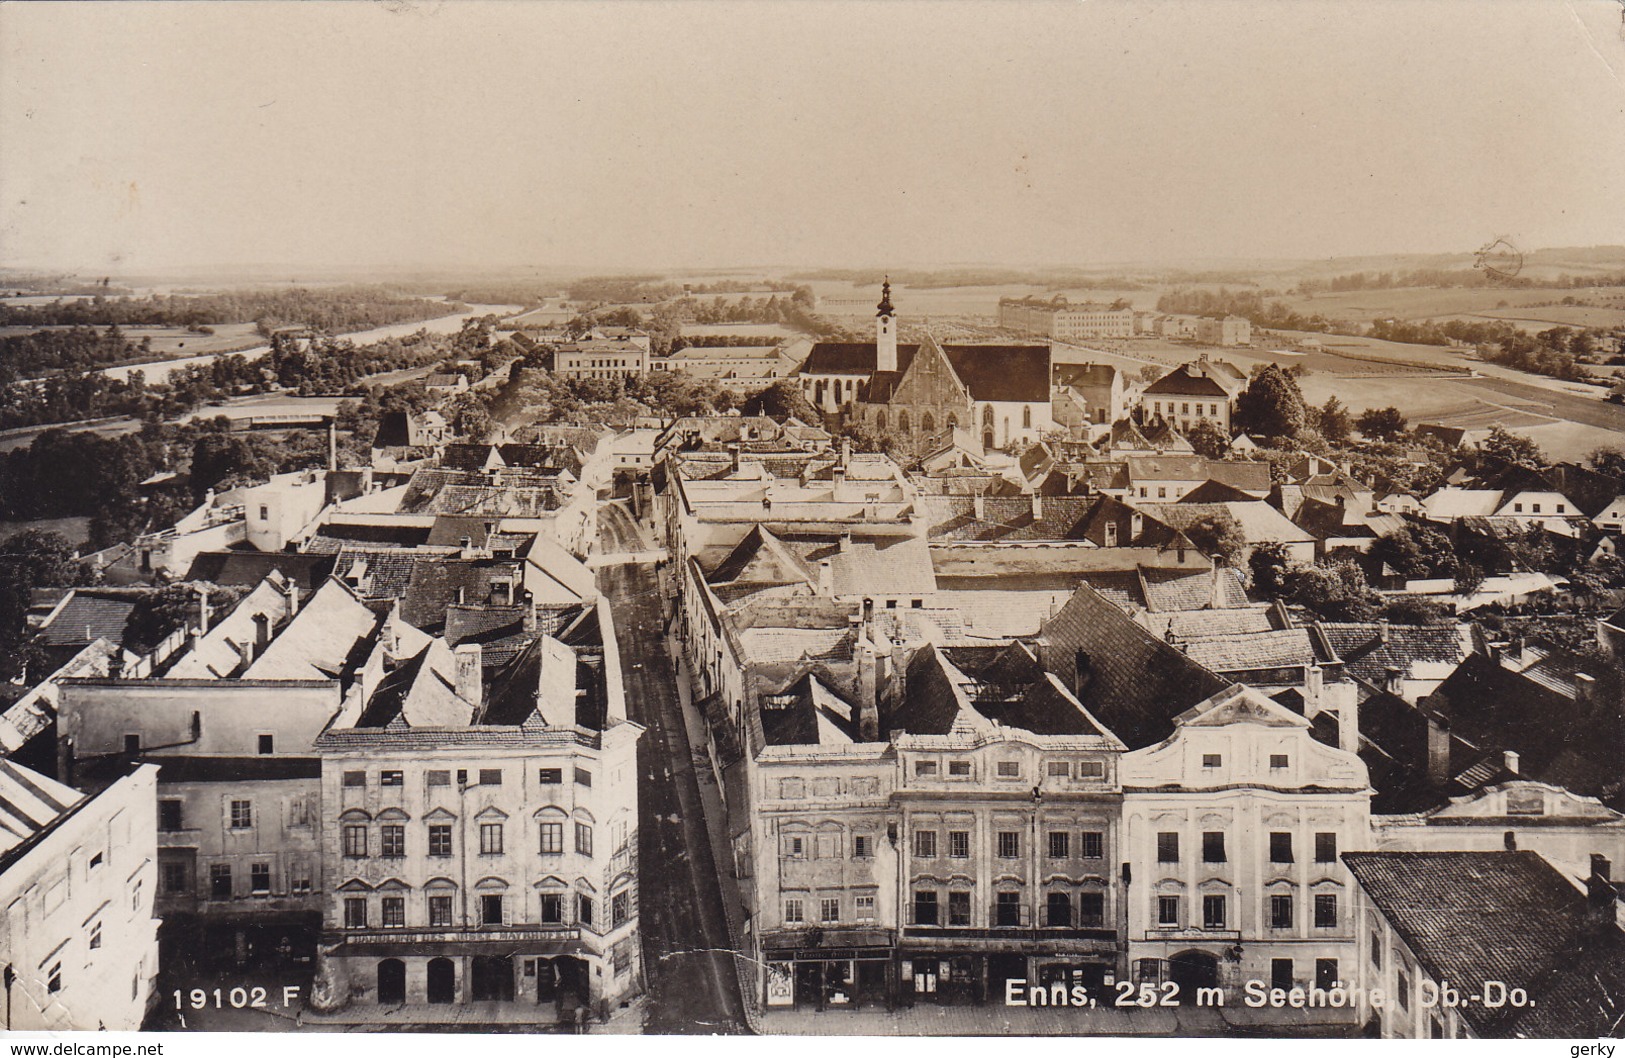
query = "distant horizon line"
{"x": 296, "y": 273}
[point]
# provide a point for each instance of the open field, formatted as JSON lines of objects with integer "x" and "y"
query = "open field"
{"x": 1540, "y": 318}
{"x": 1431, "y": 303}
{"x": 77, "y": 530}
{"x": 754, "y": 330}
{"x": 840, "y": 300}
{"x": 176, "y": 341}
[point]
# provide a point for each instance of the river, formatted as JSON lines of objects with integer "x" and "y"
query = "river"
{"x": 159, "y": 371}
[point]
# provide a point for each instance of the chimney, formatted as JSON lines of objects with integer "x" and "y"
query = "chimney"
{"x": 468, "y": 683}
{"x": 246, "y": 652}
{"x": 202, "y": 610}
{"x": 1509, "y": 760}
{"x": 1585, "y": 690}
{"x": 1382, "y": 630}
{"x": 846, "y": 451}
{"x": 1438, "y": 762}
{"x": 1600, "y": 893}
{"x": 979, "y": 506}
{"x": 733, "y": 459}
{"x": 529, "y": 616}
{"x": 332, "y": 445}
{"x": 826, "y": 578}
{"x": 290, "y": 597}
{"x": 1394, "y": 683}
{"x": 846, "y": 543}
{"x": 1313, "y": 688}
{"x": 115, "y": 663}
{"x": 1038, "y": 507}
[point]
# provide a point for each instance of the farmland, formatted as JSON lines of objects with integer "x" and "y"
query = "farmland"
{"x": 168, "y": 342}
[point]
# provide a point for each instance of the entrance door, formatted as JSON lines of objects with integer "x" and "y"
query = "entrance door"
{"x": 491, "y": 978}
{"x": 1004, "y": 967}
{"x": 391, "y": 982}
{"x": 547, "y": 981}
{"x": 1191, "y": 970}
{"x": 872, "y": 981}
{"x": 442, "y": 981}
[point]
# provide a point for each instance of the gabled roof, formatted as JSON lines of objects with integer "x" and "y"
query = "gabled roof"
{"x": 1370, "y": 649}
{"x": 247, "y": 568}
{"x": 1505, "y": 916}
{"x": 326, "y": 639}
{"x": 88, "y": 615}
{"x": 29, "y": 803}
{"x": 1259, "y": 522}
{"x": 807, "y": 712}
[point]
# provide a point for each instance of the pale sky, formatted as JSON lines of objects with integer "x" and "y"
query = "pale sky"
{"x": 153, "y": 136}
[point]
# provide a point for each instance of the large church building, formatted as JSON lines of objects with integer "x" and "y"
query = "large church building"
{"x": 1000, "y": 393}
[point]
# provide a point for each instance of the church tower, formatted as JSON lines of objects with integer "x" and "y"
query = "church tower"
{"x": 885, "y": 330}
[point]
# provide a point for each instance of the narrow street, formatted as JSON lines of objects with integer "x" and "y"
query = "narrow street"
{"x": 693, "y": 987}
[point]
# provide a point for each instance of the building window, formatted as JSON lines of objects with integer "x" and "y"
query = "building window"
{"x": 1009, "y": 769}
{"x": 552, "y": 838}
{"x": 1279, "y": 760}
{"x": 438, "y": 777}
{"x": 1091, "y": 769}
{"x": 355, "y": 840}
{"x": 1325, "y": 848}
{"x": 1059, "y": 769}
{"x": 959, "y": 768}
{"x": 355, "y": 778}
{"x": 1092, "y": 845}
{"x": 863, "y": 908}
{"x": 1167, "y": 910}
{"x": 1212, "y": 760}
{"x": 170, "y": 816}
{"x": 829, "y": 909}
{"x": 96, "y": 935}
{"x": 583, "y": 777}
{"x": 355, "y": 912}
{"x": 792, "y": 910}
{"x": 1009, "y": 844}
{"x": 1376, "y": 951}
{"x": 925, "y": 844}
{"x": 1281, "y": 911}
{"x": 584, "y": 909}
{"x": 439, "y": 910}
{"x": 1325, "y": 910}
{"x": 1168, "y": 847}
{"x": 1091, "y": 909}
{"x": 174, "y": 877}
{"x": 440, "y": 839}
{"x": 392, "y": 841}
{"x": 925, "y": 907}
{"x": 299, "y": 876}
{"x": 584, "y": 839}
{"x": 1060, "y": 844}
{"x": 490, "y": 909}
{"x": 391, "y": 778}
{"x": 259, "y": 878}
{"x": 220, "y": 881}
{"x": 1213, "y": 916}
{"x": 552, "y": 907}
{"x": 923, "y": 768}
{"x": 490, "y": 839}
{"x": 242, "y": 815}
{"x": 1213, "y": 846}
{"x": 490, "y": 776}
{"x": 1281, "y": 974}
{"x": 1326, "y": 974}
{"x": 550, "y": 776}
{"x": 1402, "y": 989}
{"x": 394, "y": 912}
{"x": 1058, "y": 910}
{"x": 267, "y": 744}
{"x": 959, "y": 908}
{"x": 793, "y": 847}
{"x": 53, "y": 978}
{"x": 1280, "y": 846}
{"x": 861, "y": 847}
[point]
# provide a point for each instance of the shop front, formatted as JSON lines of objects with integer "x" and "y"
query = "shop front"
{"x": 832, "y": 969}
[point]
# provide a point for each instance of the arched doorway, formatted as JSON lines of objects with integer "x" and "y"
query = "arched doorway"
{"x": 1193, "y": 969}
{"x": 391, "y": 982}
{"x": 442, "y": 981}
{"x": 987, "y": 438}
{"x": 491, "y": 979}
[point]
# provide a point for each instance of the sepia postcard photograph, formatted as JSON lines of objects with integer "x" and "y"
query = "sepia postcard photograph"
{"x": 811, "y": 518}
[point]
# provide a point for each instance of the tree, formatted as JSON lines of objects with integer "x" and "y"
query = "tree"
{"x": 1270, "y": 566}
{"x": 783, "y": 400}
{"x": 1218, "y": 536}
{"x": 30, "y": 559}
{"x": 1335, "y": 423}
{"x": 1271, "y": 404}
{"x": 1412, "y": 610}
{"x": 1334, "y": 591}
{"x": 1469, "y": 578}
{"x": 1416, "y": 551}
{"x": 1608, "y": 461}
{"x": 1382, "y": 424}
{"x": 1510, "y": 449}
{"x": 1208, "y": 438}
